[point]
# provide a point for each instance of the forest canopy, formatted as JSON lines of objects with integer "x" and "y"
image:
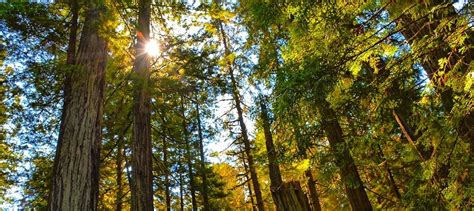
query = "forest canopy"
{"x": 236, "y": 105}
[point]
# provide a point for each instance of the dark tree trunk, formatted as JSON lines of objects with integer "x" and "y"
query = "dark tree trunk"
{"x": 119, "y": 169}
{"x": 249, "y": 186}
{"x": 243, "y": 128}
{"x": 142, "y": 175}
{"x": 286, "y": 196}
{"x": 291, "y": 197}
{"x": 349, "y": 175}
{"x": 205, "y": 196}
{"x": 75, "y": 183}
{"x": 167, "y": 176}
{"x": 313, "y": 193}
{"x": 189, "y": 156}
{"x": 181, "y": 190}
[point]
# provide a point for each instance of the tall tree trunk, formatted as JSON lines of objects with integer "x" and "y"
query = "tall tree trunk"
{"x": 243, "y": 128}
{"x": 188, "y": 157}
{"x": 247, "y": 180}
{"x": 349, "y": 175}
{"x": 286, "y": 196}
{"x": 119, "y": 169}
{"x": 181, "y": 189}
{"x": 313, "y": 193}
{"x": 167, "y": 172}
{"x": 75, "y": 183}
{"x": 205, "y": 196}
{"x": 142, "y": 175}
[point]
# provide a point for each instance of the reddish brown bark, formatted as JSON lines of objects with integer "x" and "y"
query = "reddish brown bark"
{"x": 76, "y": 170}
{"x": 142, "y": 176}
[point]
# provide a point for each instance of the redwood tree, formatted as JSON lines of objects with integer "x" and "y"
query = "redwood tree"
{"x": 142, "y": 176}
{"x": 76, "y": 168}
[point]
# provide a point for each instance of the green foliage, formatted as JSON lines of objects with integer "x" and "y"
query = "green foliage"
{"x": 398, "y": 76}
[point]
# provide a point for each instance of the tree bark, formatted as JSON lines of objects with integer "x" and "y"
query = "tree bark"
{"x": 142, "y": 175}
{"x": 167, "y": 176}
{"x": 203, "y": 161}
{"x": 119, "y": 169}
{"x": 243, "y": 128}
{"x": 313, "y": 193}
{"x": 354, "y": 186}
{"x": 288, "y": 195}
{"x": 75, "y": 183}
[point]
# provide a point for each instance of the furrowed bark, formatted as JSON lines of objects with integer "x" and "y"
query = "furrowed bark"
{"x": 75, "y": 183}
{"x": 142, "y": 175}
{"x": 353, "y": 185}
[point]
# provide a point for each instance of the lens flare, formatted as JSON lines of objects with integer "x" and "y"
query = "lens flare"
{"x": 152, "y": 48}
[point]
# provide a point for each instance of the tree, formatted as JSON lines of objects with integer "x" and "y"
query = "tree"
{"x": 142, "y": 179}
{"x": 75, "y": 183}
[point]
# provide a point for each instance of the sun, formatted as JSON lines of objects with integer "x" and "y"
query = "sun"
{"x": 152, "y": 48}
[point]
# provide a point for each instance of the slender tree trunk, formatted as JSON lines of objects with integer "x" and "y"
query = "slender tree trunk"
{"x": 203, "y": 160}
{"x": 142, "y": 175}
{"x": 167, "y": 176}
{"x": 313, "y": 193}
{"x": 119, "y": 163}
{"x": 181, "y": 190}
{"x": 390, "y": 175}
{"x": 188, "y": 157}
{"x": 354, "y": 186}
{"x": 288, "y": 195}
{"x": 410, "y": 136}
{"x": 75, "y": 183}
{"x": 246, "y": 141}
{"x": 249, "y": 186}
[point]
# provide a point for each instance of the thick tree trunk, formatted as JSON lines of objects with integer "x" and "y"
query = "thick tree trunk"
{"x": 75, "y": 183}
{"x": 313, "y": 193}
{"x": 243, "y": 128}
{"x": 291, "y": 197}
{"x": 142, "y": 175}
{"x": 349, "y": 175}
{"x": 189, "y": 156}
{"x": 205, "y": 196}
